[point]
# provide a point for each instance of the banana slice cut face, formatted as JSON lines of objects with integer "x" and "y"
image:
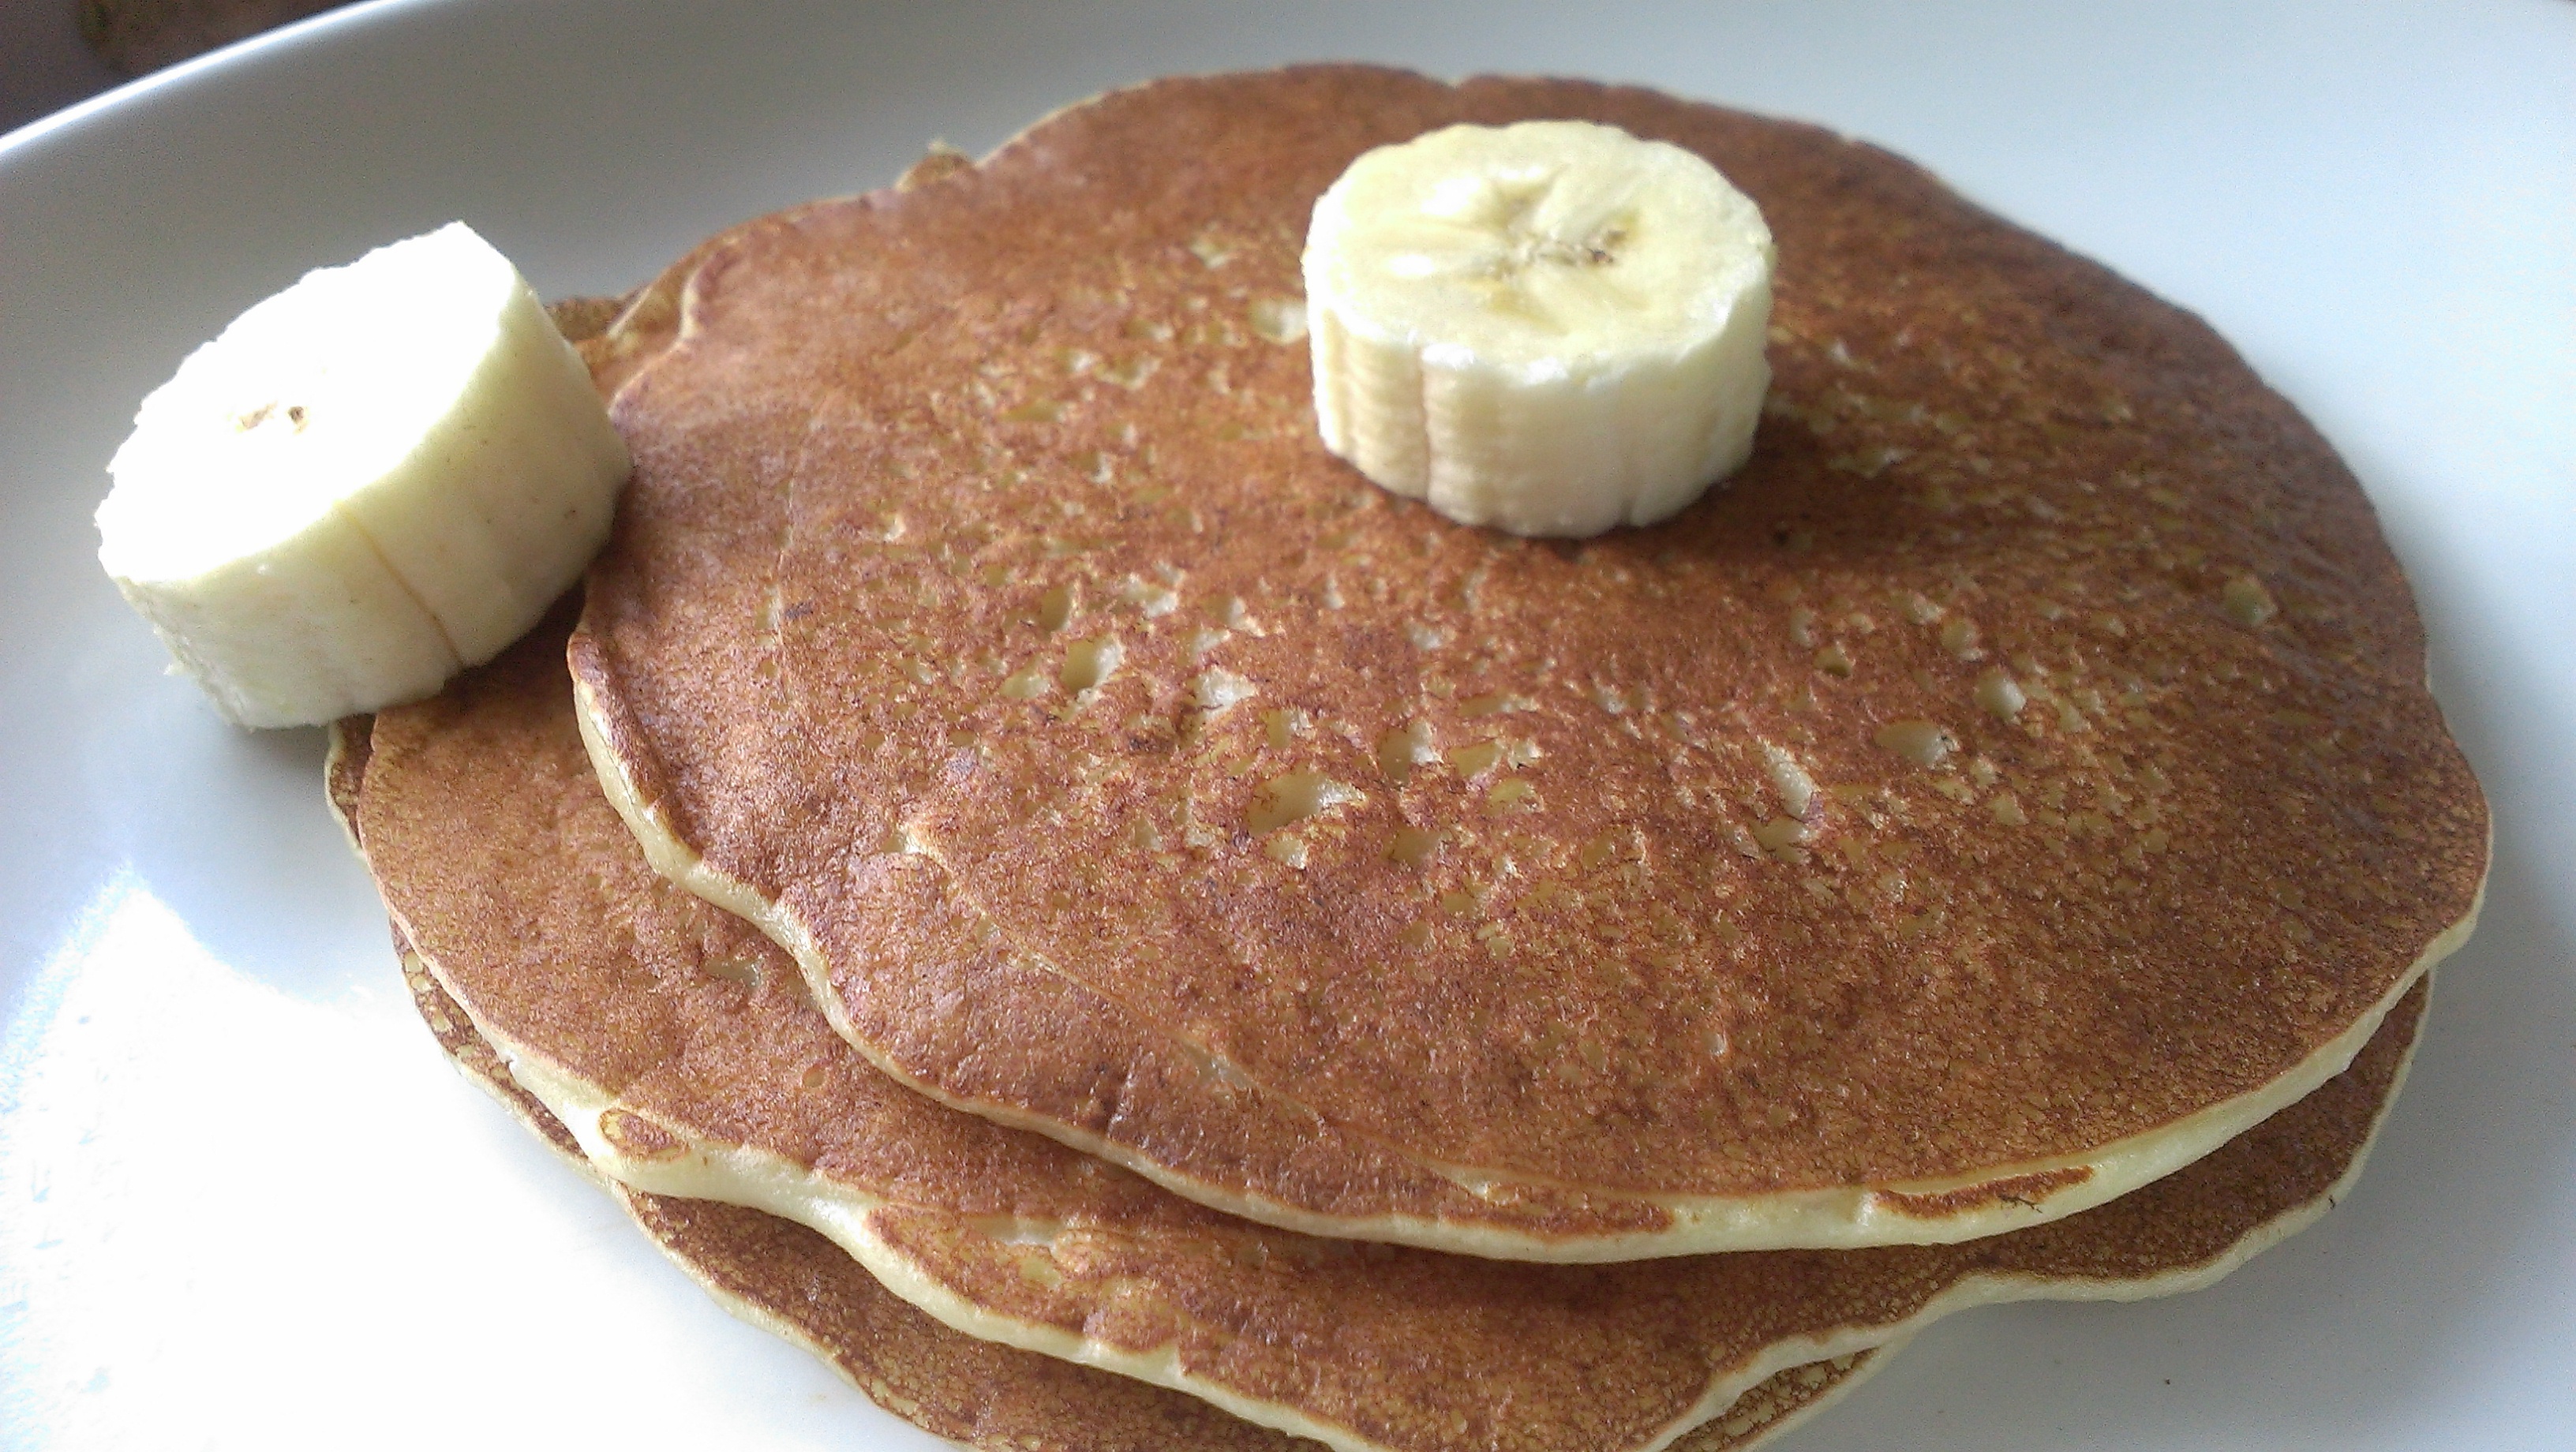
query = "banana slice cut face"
{"x": 369, "y": 481}
{"x": 1551, "y": 328}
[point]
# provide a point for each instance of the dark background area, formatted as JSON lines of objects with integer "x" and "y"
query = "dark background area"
{"x": 54, "y": 53}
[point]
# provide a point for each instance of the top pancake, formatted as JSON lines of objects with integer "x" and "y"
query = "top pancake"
{"x": 2018, "y": 781}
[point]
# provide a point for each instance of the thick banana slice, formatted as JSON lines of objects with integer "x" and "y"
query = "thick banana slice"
{"x": 377, "y": 477}
{"x": 1550, "y": 328}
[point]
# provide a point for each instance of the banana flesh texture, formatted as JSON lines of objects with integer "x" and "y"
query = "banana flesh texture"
{"x": 370, "y": 481}
{"x": 1550, "y": 328}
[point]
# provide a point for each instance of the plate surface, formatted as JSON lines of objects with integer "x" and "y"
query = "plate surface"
{"x": 243, "y": 1202}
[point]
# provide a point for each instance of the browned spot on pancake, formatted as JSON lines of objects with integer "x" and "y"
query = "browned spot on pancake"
{"x": 2027, "y": 1190}
{"x": 582, "y": 318}
{"x": 639, "y": 1138}
{"x": 937, "y": 164}
{"x": 346, "y": 768}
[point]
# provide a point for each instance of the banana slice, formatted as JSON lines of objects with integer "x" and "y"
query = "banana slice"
{"x": 375, "y": 478}
{"x": 1551, "y": 328}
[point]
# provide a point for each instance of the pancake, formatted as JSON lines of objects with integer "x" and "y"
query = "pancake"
{"x": 2017, "y": 782}
{"x": 679, "y": 1049}
{"x": 784, "y": 1278}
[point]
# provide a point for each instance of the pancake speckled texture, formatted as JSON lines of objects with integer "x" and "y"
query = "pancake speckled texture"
{"x": 784, "y": 1278}
{"x": 788, "y": 1279}
{"x": 678, "y": 1048}
{"x": 2017, "y": 781}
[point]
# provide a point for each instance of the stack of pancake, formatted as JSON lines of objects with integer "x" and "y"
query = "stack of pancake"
{"x": 1031, "y": 878}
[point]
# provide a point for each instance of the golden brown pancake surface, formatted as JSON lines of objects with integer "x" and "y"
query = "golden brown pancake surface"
{"x": 685, "y": 1044}
{"x": 2027, "y": 754}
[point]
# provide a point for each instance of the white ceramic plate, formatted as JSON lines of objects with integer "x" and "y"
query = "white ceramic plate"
{"x": 243, "y": 1202}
